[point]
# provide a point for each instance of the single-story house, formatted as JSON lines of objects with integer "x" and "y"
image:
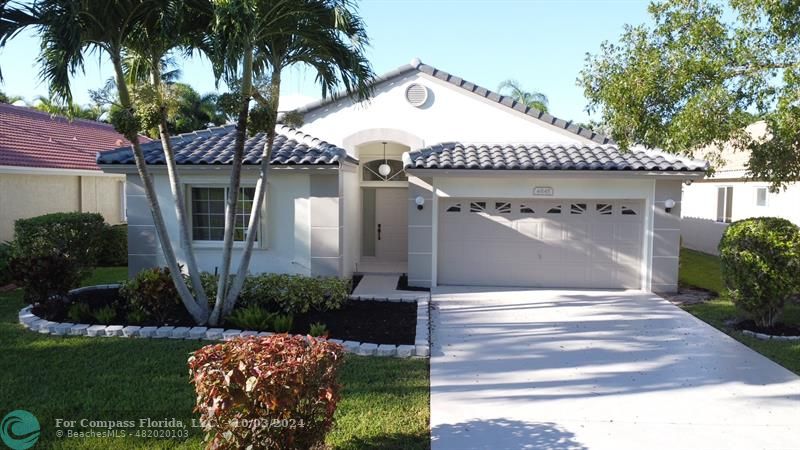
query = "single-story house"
{"x": 438, "y": 178}
{"x": 47, "y": 164}
{"x": 730, "y": 194}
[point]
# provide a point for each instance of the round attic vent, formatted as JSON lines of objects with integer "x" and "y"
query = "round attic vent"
{"x": 416, "y": 94}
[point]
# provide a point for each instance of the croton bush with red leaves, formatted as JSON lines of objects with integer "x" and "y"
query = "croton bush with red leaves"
{"x": 273, "y": 392}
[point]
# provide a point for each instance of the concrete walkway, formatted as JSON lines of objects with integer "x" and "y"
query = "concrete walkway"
{"x": 549, "y": 369}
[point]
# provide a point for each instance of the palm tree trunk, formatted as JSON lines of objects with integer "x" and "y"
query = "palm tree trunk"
{"x": 258, "y": 201}
{"x": 233, "y": 192}
{"x": 158, "y": 219}
{"x": 178, "y": 196}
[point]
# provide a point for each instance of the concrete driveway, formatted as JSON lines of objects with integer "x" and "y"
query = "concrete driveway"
{"x": 554, "y": 369}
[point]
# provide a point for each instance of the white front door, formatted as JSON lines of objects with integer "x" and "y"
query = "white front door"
{"x": 391, "y": 222}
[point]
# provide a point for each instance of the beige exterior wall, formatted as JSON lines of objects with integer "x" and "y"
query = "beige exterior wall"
{"x": 24, "y": 195}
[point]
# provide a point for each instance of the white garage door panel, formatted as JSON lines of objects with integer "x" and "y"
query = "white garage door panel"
{"x": 541, "y": 243}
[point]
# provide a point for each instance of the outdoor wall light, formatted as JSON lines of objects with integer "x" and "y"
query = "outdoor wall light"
{"x": 419, "y": 201}
{"x": 384, "y": 169}
{"x": 669, "y": 204}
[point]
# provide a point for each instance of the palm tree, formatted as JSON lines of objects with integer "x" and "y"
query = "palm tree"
{"x": 71, "y": 110}
{"x": 326, "y": 35}
{"x": 192, "y": 111}
{"x": 68, "y": 30}
{"x": 531, "y": 99}
{"x": 147, "y": 60}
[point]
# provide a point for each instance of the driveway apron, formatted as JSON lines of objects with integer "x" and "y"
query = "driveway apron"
{"x": 557, "y": 369}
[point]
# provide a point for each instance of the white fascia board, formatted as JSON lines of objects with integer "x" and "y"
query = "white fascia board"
{"x": 22, "y": 170}
{"x": 249, "y": 168}
{"x": 502, "y": 173}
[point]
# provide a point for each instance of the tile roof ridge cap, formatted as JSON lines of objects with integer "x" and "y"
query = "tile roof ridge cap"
{"x": 306, "y": 138}
{"x": 218, "y": 129}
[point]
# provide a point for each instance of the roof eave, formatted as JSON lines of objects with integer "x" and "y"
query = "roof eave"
{"x": 562, "y": 173}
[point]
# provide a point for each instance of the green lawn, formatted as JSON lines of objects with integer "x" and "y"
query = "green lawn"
{"x": 384, "y": 401}
{"x": 702, "y": 270}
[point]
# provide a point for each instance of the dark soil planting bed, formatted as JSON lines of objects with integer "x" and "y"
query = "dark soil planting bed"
{"x": 780, "y": 329}
{"x": 365, "y": 321}
{"x": 377, "y": 322}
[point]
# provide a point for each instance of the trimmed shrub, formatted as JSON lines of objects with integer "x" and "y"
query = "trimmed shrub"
{"x": 275, "y": 392}
{"x": 760, "y": 260}
{"x": 153, "y": 293}
{"x": 44, "y": 275}
{"x": 113, "y": 249}
{"x": 295, "y": 294}
{"x": 75, "y": 235}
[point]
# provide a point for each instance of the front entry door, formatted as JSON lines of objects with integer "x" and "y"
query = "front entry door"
{"x": 391, "y": 221}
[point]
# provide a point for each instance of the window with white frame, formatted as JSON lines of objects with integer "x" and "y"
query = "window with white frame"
{"x": 208, "y": 213}
{"x": 761, "y": 196}
{"x": 724, "y": 203}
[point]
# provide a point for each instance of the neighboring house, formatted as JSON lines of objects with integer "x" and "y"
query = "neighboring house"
{"x": 709, "y": 205}
{"x": 47, "y": 164}
{"x": 434, "y": 177}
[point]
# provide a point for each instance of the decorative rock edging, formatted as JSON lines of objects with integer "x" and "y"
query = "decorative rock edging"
{"x": 421, "y": 347}
{"x": 769, "y": 337}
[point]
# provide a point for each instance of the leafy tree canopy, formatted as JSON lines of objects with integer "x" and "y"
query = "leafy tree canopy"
{"x": 698, "y": 75}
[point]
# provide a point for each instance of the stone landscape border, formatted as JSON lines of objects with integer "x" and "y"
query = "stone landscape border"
{"x": 421, "y": 347}
{"x": 770, "y": 337}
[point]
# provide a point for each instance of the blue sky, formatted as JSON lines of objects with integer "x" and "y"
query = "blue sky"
{"x": 540, "y": 43}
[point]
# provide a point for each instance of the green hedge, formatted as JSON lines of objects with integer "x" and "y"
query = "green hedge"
{"x": 760, "y": 261}
{"x": 113, "y": 249}
{"x": 289, "y": 294}
{"x": 54, "y": 252}
{"x": 5, "y": 256}
{"x": 76, "y": 235}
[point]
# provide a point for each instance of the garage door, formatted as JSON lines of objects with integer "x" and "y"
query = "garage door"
{"x": 541, "y": 243}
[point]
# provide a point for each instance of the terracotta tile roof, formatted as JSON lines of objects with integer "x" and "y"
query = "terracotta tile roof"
{"x": 454, "y": 155}
{"x": 214, "y": 146}
{"x": 31, "y": 138}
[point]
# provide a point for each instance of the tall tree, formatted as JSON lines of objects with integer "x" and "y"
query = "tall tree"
{"x": 249, "y": 43}
{"x": 531, "y": 99}
{"x": 326, "y": 35}
{"x": 148, "y": 51}
{"x": 699, "y": 74}
{"x": 52, "y": 106}
{"x": 68, "y": 30}
{"x": 191, "y": 110}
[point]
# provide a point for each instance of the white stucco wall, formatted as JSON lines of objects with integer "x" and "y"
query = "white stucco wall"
{"x": 287, "y": 224}
{"x": 451, "y": 114}
{"x": 700, "y": 201}
{"x": 351, "y": 220}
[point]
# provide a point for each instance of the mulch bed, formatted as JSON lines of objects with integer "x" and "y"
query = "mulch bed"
{"x": 358, "y": 320}
{"x": 365, "y": 321}
{"x": 402, "y": 285}
{"x": 354, "y": 284}
{"x": 779, "y": 329}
